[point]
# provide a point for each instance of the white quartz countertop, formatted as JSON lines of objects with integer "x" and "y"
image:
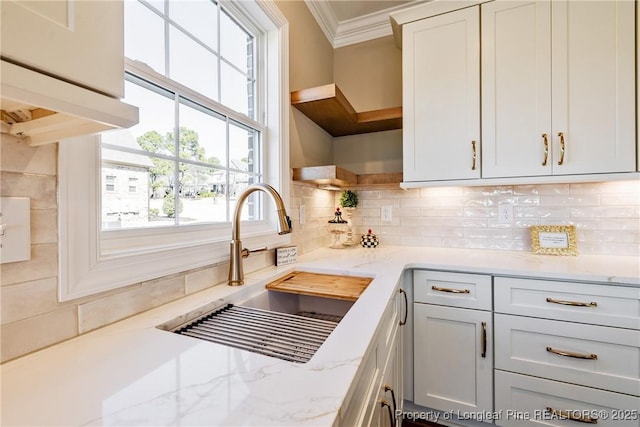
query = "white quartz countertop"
{"x": 132, "y": 374}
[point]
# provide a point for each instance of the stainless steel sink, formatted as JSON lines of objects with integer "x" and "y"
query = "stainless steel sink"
{"x": 287, "y": 326}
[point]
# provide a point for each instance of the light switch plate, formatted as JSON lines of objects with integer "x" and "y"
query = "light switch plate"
{"x": 385, "y": 213}
{"x": 15, "y": 229}
{"x": 302, "y": 214}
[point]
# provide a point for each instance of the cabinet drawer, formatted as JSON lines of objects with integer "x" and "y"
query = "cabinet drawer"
{"x": 453, "y": 289}
{"x": 523, "y": 401}
{"x": 608, "y": 305}
{"x": 594, "y": 356}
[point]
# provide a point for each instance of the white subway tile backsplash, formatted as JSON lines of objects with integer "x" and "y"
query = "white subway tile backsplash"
{"x": 28, "y": 299}
{"x": 205, "y": 278}
{"x": 44, "y": 226}
{"x": 18, "y": 156}
{"x": 43, "y": 264}
{"x": 604, "y": 212}
{"x": 41, "y": 189}
{"x": 571, "y": 200}
{"x": 34, "y": 333}
{"x": 630, "y": 249}
{"x": 607, "y": 215}
{"x": 621, "y": 199}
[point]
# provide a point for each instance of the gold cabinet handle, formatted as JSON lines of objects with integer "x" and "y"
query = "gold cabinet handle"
{"x": 475, "y": 155}
{"x": 545, "y": 140}
{"x": 484, "y": 340}
{"x": 572, "y": 354}
{"x": 572, "y": 415}
{"x": 562, "y": 148}
{"x": 572, "y": 303}
{"x": 451, "y": 290}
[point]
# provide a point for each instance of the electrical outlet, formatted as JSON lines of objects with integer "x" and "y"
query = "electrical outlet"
{"x": 505, "y": 213}
{"x": 385, "y": 213}
{"x": 302, "y": 214}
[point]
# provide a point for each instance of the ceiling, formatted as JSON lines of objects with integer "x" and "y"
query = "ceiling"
{"x": 346, "y": 22}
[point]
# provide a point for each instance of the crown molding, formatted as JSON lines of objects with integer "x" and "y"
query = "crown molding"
{"x": 356, "y": 30}
{"x": 325, "y": 18}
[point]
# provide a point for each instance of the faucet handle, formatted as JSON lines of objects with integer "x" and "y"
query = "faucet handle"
{"x": 246, "y": 252}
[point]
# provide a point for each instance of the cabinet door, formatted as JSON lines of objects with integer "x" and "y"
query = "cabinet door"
{"x": 453, "y": 369}
{"x": 441, "y": 97}
{"x": 78, "y": 41}
{"x": 516, "y": 88}
{"x": 391, "y": 388}
{"x": 593, "y": 86}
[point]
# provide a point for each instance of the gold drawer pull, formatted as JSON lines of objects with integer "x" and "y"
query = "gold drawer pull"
{"x": 545, "y": 140}
{"x": 475, "y": 155}
{"x": 572, "y": 354}
{"x": 562, "y": 148}
{"x": 572, "y": 415}
{"x": 573, "y": 303}
{"x": 453, "y": 291}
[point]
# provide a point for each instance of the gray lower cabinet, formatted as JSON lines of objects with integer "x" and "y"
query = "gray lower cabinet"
{"x": 526, "y": 351}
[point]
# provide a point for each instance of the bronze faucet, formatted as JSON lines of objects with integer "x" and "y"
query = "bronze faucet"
{"x": 237, "y": 252}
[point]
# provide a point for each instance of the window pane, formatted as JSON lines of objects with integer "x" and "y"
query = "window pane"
{"x": 133, "y": 190}
{"x": 236, "y": 45}
{"x": 214, "y": 159}
{"x": 209, "y": 144}
{"x": 202, "y": 191}
{"x": 156, "y": 4}
{"x": 238, "y": 182}
{"x": 143, "y": 35}
{"x": 244, "y": 147}
{"x": 237, "y": 90}
{"x": 192, "y": 65}
{"x": 199, "y": 17}
{"x": 154, "y": 131}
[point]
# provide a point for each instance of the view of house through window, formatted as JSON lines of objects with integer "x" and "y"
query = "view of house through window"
{"x": 191, "y": 71}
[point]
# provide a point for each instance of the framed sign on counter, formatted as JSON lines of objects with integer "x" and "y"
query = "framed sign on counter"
{"x": 554, "y": 239}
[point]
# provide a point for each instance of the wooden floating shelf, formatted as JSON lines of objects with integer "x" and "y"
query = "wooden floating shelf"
{"x": 329, "y": 108}
{"x": 332, "y": 175}
{"x": 325, "y": 175}
{"x": 392, "y": 179}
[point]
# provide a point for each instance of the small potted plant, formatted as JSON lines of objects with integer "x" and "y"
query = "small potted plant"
{"x": 349, "y": 201}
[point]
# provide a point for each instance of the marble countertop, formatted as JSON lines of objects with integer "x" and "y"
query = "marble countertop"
{"x": 132, "y": 374}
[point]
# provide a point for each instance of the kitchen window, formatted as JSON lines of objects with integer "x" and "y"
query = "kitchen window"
{"x": 210, "y": 81}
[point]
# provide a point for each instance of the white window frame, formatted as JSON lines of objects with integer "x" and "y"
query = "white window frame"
{"x": 91, "y": 261}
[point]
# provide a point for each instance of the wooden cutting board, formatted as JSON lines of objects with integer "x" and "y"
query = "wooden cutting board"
{"x": 321, "y": 285}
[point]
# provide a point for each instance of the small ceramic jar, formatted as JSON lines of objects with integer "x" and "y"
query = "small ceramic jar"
{"x": 369, "y": 240}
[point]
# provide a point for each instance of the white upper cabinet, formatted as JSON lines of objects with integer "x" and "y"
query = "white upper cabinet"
{"x": 516, "y": 88}
{"x": 593, "y": 86}
{"x": 441, "y": 97}
{"x": 77, "y": 41}
{"x": 62, "y": 69}
{"x": 558, "y": 88}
